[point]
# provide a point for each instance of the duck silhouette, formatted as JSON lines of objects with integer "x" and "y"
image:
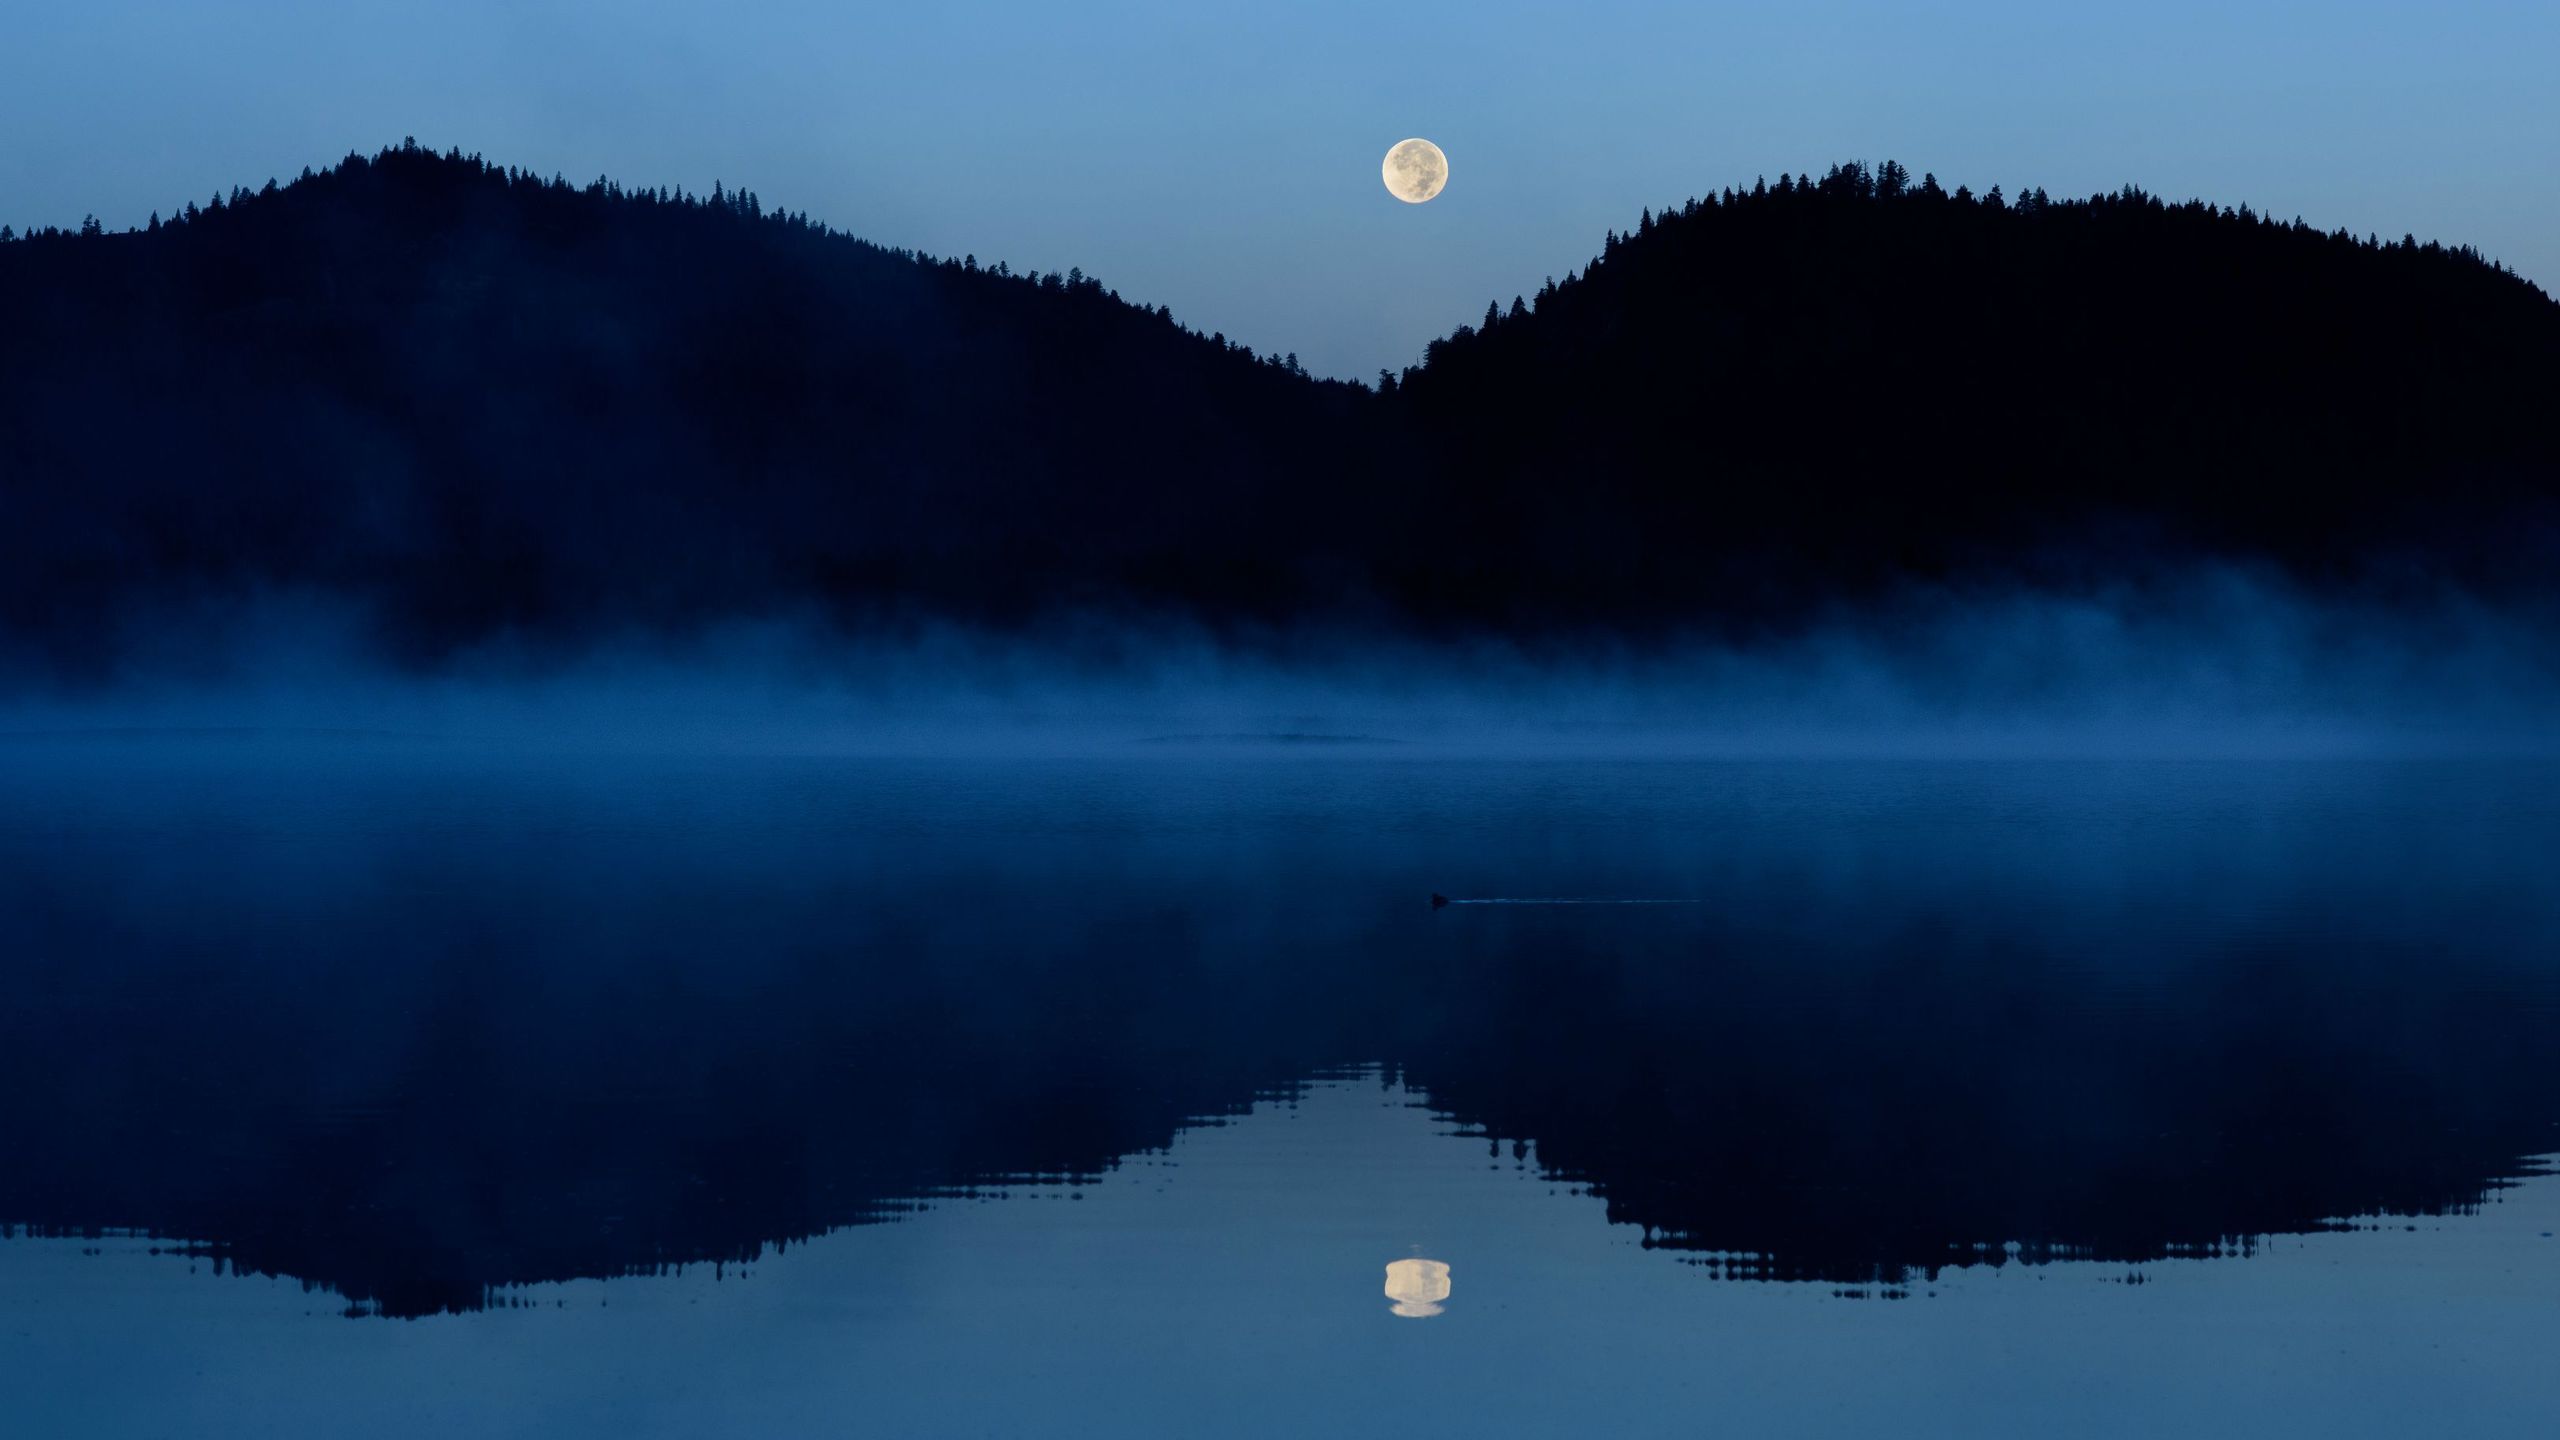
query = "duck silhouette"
{"x": 1438, "y": 900}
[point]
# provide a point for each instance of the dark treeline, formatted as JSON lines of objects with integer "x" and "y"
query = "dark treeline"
{"x": 485, "y": 403}
{"x": 1767, "y": 396}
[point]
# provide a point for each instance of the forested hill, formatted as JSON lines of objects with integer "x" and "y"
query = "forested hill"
{"x": 1824, "y": 381}
{"x": 489, "y": 402}
{"x": 477, "y": 403}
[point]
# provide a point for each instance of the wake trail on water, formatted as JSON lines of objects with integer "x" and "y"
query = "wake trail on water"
{"x": 1560, "y": 900}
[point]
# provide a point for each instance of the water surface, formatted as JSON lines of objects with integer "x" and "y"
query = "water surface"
{"x": 431, "y": 1086}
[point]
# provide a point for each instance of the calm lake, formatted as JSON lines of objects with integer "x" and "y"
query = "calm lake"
{"x": 366, "y": 1085}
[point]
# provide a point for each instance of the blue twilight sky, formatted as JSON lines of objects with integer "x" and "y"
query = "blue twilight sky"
{"x": 1222, "y": 158}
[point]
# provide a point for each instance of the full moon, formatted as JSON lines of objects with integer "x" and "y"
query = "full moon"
{"x": 1415, "y": 171}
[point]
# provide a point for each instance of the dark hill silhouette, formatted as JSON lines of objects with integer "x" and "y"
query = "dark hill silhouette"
{"x": 485, "y": 400}
{"x": 1823, "y": 384}
{"x": 480, "y": 403}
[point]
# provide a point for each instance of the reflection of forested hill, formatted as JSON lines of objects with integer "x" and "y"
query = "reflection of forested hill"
{"x": 477, "y": 401}
{"x": 415, "y": 1028}
{"x": 1872, "y": 1115}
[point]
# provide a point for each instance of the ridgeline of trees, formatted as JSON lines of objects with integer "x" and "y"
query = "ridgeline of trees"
{"x": 484, "y": 402}
{"x": 1764, "y": 397}
{"x": 488, "y": 402}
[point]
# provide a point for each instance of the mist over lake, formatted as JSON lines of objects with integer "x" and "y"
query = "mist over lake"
{"x": 2138, "y": 977}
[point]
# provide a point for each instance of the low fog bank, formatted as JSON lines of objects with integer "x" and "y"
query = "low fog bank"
{"x": 2217, "y": 662}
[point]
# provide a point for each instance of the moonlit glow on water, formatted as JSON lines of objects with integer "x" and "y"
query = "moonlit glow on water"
{"x": 1418, "y": 1287}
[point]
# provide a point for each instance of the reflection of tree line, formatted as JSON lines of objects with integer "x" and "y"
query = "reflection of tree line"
{"x": 539, "y": 1121}
{"x": 1878, "y": 1116}
{"x": 1870, "y": 1113}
